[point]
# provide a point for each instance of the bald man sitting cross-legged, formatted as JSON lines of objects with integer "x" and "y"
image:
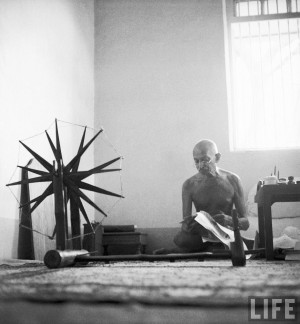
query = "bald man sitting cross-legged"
{"x": 212, "y": 190}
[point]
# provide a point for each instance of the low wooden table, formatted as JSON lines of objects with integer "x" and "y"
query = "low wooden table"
{"x": 126, "y": 239}
{"x": 265, "y": 197}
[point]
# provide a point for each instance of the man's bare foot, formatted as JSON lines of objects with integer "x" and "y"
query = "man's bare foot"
{"x": 175, "y": 250}
{"x": 162, "y": 251}
{"x": 206, "y": 247}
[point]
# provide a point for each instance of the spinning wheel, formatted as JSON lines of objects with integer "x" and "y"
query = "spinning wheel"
{"x": 66, "y": 182}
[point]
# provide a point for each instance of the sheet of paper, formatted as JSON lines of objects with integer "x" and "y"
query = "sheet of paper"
{"x": 222, "y": 233}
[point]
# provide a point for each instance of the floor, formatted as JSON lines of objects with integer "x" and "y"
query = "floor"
{"x": 142, "y": 292}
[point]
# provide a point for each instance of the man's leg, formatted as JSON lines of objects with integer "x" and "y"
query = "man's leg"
{"x": 189, "y": 239}
{"x": 186, "y": 243}
{"x": 189, "y": 242}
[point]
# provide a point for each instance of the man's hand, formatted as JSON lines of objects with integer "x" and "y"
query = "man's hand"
{"x": 223, "y": 220}
{"x": 189, "y": 225}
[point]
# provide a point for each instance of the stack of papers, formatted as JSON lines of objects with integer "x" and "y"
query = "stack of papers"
{"x": 217, "y": 231}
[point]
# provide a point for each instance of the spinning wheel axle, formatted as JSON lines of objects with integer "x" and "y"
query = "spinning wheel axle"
{"x": 60, "y": 259}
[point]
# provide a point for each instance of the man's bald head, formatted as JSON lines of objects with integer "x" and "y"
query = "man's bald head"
{"x": 206, "y": 156}
{"x": 205, "y": 146}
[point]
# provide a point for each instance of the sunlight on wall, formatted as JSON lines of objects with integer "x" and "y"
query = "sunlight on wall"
{"x": 266, "y": 84}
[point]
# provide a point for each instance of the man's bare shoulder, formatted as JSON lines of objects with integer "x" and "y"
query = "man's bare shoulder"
{"x": 228, "y": 173}
{"x": 190, "y": 181}
{"x": 233, "y": 178}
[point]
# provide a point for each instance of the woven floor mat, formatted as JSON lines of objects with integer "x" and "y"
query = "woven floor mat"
{"x": 208, "y": 283}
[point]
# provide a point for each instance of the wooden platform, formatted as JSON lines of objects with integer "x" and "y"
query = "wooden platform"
{"x": 124, "y": 240}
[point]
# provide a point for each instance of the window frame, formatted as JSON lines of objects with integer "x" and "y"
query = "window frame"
{"x": 229, "y": 18}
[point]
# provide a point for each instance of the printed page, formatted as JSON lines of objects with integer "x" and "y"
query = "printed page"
{"x": 222, "y": 233}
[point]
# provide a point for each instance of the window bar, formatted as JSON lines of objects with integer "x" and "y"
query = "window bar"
{"x": 272, "y": 74}
{"x": 235, "y": 14}
{"x": 268, "y": 9}
{"x": 250, "y": 44}
{"x": 298, "y": 32}
{"x": 262, "y": 76}
{"x": 251, "y": 66}
{"x": 290, "y": 75}
{"x": 293, "y": 76}
{"x": 290, "y": 49}
{"x": 240, "y": 46}
{"x": 246, "y": 8}
{"x": 239, "y": 8}
{"x": 281, "y": 61}
{"x": 262, "y": 7}
{"x": 288, "y": 6}
{"x": 235, "y": 115}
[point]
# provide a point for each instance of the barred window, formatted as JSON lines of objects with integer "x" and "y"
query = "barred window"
{"x": 244, "y": 8}
{"x": 264, "y": 73}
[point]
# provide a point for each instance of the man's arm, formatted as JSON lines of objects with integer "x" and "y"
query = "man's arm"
{"x": 186, "y": 200}
{"x": 239, "y": 202}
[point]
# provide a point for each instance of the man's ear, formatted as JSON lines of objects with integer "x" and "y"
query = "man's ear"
{"x": 218, "y": 156}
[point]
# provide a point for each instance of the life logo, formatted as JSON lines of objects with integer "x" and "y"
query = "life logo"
{"x": 272, "y": 309}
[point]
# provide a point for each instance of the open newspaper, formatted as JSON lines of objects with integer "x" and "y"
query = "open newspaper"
{"x": 217, "y": 232}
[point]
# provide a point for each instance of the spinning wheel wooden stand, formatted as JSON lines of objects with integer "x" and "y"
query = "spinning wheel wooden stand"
{"x": 66, "y": 183}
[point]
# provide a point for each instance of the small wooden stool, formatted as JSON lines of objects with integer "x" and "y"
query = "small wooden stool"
{"x": 125, "y": 239}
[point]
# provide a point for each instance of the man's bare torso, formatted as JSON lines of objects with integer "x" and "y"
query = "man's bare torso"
{"x": 213, "y": 194}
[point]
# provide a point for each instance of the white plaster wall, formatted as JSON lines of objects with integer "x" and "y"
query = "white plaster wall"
{"x": 46, "y": 72}
{"x": 160, "y": 86}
